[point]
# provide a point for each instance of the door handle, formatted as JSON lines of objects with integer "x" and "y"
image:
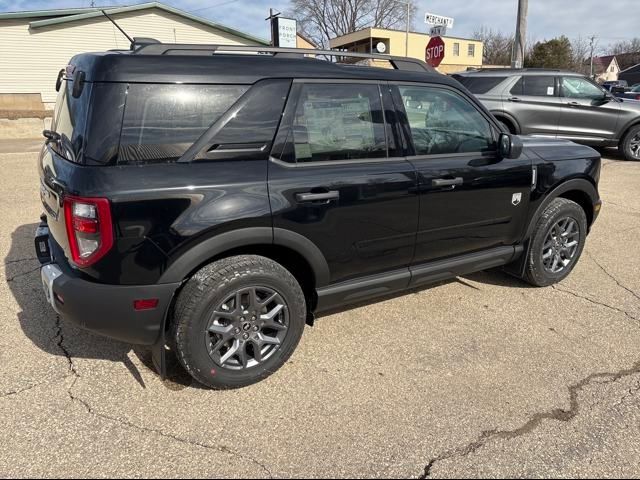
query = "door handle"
{"x": 515, "y": 99}
{"x": 573, "y": 104}
{"x": 324, "y": 197}
{"x": 447, "y": 182}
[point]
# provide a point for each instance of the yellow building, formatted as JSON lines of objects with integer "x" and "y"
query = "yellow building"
{"x": 460, "y": 53}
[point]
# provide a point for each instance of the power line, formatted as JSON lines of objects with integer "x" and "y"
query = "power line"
{"x": 213, "y": 6}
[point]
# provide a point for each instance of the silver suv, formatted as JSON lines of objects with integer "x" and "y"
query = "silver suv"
{"x": 558, "y": 104}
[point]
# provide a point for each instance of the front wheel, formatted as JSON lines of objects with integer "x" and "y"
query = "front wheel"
{"x": 630, "y": 145}
{"x": 557, "y": 243}
{"x": 238, "y": 320}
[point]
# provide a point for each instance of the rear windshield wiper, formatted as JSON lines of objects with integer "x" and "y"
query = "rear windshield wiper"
{"x": 51, "y": 136}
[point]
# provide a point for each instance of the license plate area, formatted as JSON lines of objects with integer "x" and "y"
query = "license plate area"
{"x": 42, "y": 245}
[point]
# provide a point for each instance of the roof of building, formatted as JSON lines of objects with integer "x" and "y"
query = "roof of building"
{"x": 68, "y": 15}
{"x": 404, "y": 31}
{"x": 601, "y": 64}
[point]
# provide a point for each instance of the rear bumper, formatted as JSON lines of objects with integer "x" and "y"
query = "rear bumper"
{"x": 107, "y": 309}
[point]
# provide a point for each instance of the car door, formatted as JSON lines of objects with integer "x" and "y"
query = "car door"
{"x": 470, "y": 199}
{"x": 534, "y": 102}
{"x": 336, "y": 179}
{"x": 588, "y": 115}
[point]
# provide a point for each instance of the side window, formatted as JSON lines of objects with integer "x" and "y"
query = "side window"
{"x": 535, "y": 86}
{"x": 518, "y": 88}
{"x": 578, "y": 87}
{"x": 162, "y": 121}
{"x": 444, "y": 122}
{"x": 481, "y": 84}
{"x": 339, "y": 122}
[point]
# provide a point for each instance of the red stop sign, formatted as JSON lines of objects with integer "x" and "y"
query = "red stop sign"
{"x": 435, "y": 52}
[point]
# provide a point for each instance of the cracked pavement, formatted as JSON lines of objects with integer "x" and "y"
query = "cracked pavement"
{"x": 482, "y": 376}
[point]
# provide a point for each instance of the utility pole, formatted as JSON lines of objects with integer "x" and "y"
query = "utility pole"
{"x": 272, "y": 16}
{"x": 593, "y": 47}
{"x": 406, "y": 42}
{"x": 517, "y": 57}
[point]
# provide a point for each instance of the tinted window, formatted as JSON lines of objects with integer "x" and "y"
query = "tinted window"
{"x": 70, "y": 120}
{"x": 577, "y": 87}
{"x": 535, "y": 86}
{"x": 479, "y": 85}
{"x": 162, "y": 121}
{"x": 339, "y": 122}
{"x": 444, "y": 122}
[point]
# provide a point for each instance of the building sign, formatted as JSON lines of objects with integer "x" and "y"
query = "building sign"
{"x": 285, "y": 32}
{"x": 438, "y": 20}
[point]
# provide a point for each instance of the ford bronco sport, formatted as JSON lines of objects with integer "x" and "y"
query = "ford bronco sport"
{"x": 210, "y": 201}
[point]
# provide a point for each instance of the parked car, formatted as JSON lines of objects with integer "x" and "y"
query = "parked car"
{"x": 632, "y": 94}
{"x": 557, "y": 104}
{"x": 612, "y": 85}
{"x": 213, "y": 203}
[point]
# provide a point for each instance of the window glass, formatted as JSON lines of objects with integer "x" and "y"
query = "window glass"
{"x": 472, "y": 50}
{"x": 518, "y": 88}
{"x": 479, "y": 85}
{"x": 339, "y": 122}
{"x": 70, "y": 121}
{"x": 540, "y": 86}
{"x": 456, "y": 49}
{"x": 577, "y": 87}
{"x": 162, "y": 121}
{"x": 443, "y": 122}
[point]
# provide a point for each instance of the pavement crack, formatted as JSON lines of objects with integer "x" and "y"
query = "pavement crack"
{"x": 13, "y": 393}
{"x": 595, "y": 302}
{"x": 613, "y": 277}
{"x": 22, "y": 274}
{"x": 558, "y": 414}
{"x": 19, "y": 260}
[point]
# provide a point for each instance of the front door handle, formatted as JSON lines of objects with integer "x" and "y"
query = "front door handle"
{"x": 323, "y": 197}
{"x": 447, "y": 182}
{"x": 573, "y": 104}
{"x": 515, "y": 99}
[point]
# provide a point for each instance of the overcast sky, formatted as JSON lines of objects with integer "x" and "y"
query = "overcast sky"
{"x": 611, "y": 21}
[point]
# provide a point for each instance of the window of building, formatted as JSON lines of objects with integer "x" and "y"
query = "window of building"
{"x": 339, "y": 122}
{"x": 472, "y": 50}
{"x": 444, "y": 122}
{"x": 456, "y": 49}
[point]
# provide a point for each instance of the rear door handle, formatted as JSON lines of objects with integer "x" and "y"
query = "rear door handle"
{"x": 573, "y": 104}
{"x": 515, "y": 99}
{"x": 324, "y": 197}
{"x": 447, "y": 182}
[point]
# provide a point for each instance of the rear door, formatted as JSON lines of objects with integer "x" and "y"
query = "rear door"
{"x": 535, "y": 103}
{"x": 336, "y": 178}
{"x": 470, "y": 199}
{"x": 587, "y": 115}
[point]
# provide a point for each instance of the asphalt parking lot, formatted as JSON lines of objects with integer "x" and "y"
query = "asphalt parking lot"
{"x": 481, "y": 376}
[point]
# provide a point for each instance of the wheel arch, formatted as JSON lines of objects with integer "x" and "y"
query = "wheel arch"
{"x": 625, "y": 130}
{"x": 509, "y": 120}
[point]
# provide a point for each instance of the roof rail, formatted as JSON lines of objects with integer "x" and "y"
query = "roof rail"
{"x": 399, "y": 63}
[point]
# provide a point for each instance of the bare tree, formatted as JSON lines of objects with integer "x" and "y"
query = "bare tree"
{"x": 322, "y": 20}
{"x": 497, "y": 45}
{"x": 580, "y": 55}
{"x": 627, "y": 46}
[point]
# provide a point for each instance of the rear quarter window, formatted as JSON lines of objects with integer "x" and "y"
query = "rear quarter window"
{"x": 480, "y": 85}
{"x": 162, "y": 121}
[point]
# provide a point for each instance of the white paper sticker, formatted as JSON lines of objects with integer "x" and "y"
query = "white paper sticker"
{"x": 551, "y": 91}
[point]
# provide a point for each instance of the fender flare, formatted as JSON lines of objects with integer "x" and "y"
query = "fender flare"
{"x": 580, "y": 184}
{"x": 204, "y": 251}
{"x": 508, "y": 116}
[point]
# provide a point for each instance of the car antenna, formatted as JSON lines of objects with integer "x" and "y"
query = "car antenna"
{"x": 119, "y": 28}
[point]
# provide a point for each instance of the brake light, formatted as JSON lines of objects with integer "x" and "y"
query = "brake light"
{"x": 89, "y": 228}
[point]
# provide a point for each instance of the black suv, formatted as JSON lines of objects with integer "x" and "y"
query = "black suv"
{"x": 212, "y": 203}
{"x": 557, "y": 104}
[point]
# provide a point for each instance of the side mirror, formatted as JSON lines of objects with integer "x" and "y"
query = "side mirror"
{"x": 509, "y": 146}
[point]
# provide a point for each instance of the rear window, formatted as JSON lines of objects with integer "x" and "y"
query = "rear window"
{"x": 162, "y": 121}
{"x": 536, "y": 86}
{"x": 479, "y": 85}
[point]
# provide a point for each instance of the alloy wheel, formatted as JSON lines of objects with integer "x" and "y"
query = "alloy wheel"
{"x": 247, "y": 328}
{"x": 561, "y": 245}
{"x": 634, "y": 146}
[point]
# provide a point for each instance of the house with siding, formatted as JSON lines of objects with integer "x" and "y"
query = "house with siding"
{"x": 37, "y": 44}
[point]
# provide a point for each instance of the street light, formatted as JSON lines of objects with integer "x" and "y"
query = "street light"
{"x": 408, "y": 4}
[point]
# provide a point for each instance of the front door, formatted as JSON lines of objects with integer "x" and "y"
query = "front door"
{"x": 470, "y": 199}
{"x": 338, "y": 182}
{"x": 587, "y": 115}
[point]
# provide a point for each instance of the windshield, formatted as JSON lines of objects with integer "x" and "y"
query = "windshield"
{"x": 636, "y": 89}
{"x": 69, "y": 121}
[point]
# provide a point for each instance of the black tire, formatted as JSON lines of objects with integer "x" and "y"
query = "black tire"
{"x": 206, "y": 291}
{"x": 631, "y": 140}
{"x": 536, "y": 272}
{"x": 506, "y": 127}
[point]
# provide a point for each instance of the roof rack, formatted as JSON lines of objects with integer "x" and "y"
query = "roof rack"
{"x": 399, "y": 63}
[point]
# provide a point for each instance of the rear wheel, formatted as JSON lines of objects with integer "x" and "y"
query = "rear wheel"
{"x": 630, "y": 145}
{"x": 238, "y": 320}
{"x": 557, "y": 243}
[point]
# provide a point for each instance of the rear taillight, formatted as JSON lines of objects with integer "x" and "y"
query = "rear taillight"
{"x": 89, "y": 228}
{"x": 637, "y": 97}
